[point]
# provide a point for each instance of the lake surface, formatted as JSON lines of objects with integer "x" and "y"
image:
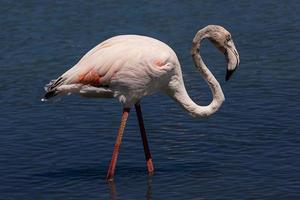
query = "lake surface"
{"x": 250, "y": 149}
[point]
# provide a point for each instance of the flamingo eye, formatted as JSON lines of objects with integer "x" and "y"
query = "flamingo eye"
{"x": 228, "y": 38}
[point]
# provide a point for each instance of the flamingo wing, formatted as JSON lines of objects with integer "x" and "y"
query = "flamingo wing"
{"x": 94, "y": 70}
{"x": 128, "y": 64}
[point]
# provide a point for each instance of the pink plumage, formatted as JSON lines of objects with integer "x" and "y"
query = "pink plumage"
{"x": 129, "y": 67}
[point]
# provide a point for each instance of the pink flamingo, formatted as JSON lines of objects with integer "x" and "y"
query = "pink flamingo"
{"x": 129, "y": 67}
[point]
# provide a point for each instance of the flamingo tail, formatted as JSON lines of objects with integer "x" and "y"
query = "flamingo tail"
{"x": 51, "y": 88}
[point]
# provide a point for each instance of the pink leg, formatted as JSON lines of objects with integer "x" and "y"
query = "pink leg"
{"x": 144, "y": 138}
{"x": 113, "y": 162}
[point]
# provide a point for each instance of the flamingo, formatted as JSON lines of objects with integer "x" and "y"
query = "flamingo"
{"x": 129, "y": 67}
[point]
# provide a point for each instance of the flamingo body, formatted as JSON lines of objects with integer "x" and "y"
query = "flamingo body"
{"x": 127, "y": 67}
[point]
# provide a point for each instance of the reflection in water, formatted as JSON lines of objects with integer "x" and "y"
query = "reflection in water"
{"x": 149, "y": 187}
{"x": 113, "y": 191}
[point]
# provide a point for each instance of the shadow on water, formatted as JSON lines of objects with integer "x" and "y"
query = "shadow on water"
{"x": 65, "y": 177}
{"x": 71, "y": 173}
{"x": 93, "y": 173}
{"x": 154, "y": 180}
{"x": 113, "y": 195}
{"x": 126, "y": 179}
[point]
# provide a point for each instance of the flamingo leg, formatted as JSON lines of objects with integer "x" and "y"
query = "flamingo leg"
{"x": 144, "y": 139}
{"x": 113, "y": 162}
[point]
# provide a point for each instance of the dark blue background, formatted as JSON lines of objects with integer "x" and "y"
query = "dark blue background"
{"x": 60, "y": 150}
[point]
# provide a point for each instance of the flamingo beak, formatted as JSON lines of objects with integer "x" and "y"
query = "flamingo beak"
{"x": 232, "y": 58}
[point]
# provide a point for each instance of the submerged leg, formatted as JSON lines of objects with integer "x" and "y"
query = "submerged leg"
{"x": 144, "y": 138}
{"x": 113, "y": 162}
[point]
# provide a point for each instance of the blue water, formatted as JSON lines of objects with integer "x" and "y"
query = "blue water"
{"x": 250, "y": 149}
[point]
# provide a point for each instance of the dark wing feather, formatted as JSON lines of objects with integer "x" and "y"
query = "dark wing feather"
{"x": 50, "y": 88}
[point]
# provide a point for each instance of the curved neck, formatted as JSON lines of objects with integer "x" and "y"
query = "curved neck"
{"x": 181, "y": 95}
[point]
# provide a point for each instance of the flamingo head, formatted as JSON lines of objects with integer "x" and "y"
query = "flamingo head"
{"x": 222, "y": 39}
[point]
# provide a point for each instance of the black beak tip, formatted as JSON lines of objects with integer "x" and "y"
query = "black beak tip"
{"x": 228, "y": 74}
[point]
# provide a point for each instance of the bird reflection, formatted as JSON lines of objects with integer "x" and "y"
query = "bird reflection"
{"x": 113, "y": 195}
{"x": 112, "y": 190}
{"x": 149, "y": 188}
